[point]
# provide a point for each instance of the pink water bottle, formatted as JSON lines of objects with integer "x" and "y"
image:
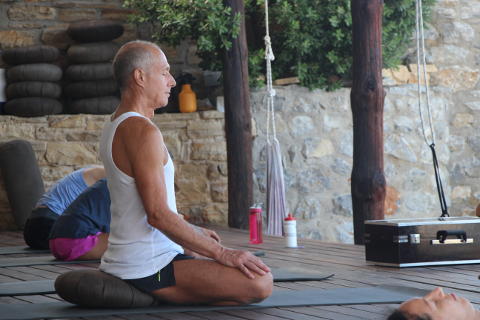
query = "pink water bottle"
{"x": 255, "y": 223}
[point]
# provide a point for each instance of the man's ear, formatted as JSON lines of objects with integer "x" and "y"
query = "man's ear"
{"x": 139, "y": 77}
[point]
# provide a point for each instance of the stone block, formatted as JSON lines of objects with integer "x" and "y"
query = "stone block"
{"x": 70, "y": 153}
{"x": 457, "y": 33}
{"x": 170, "y": 125}
{"x": 28, "y": 24}
{"x": 205, "y": 129}
{"x": 473, "y": 105}
{"x": 213, "y": 114}
{"x": 219, "y": 191}
{"x": 173, "y": 145}
{"x": 39, "y": 146}
{"x": 191, "y": 184}
{"x": 215, "y": 150}
{"x": 168, "y": 117}
{"x": 456, "y": 78}
{"x": 72, "y": 14}
{"x": 56, "y": 173}
{"x": 116, "y": 14}
{"x": 448, "y": 55}
{"x": 16, "y": 38}
{"x": 463, "y": 120}
{"x": 87, "y": 136}
{"x": 461, "y": 192}
{"x": 400, "y": 148}
{"x": 324, "y": 148}
{"x": 49, "y": 134}
{"x": 95, "y": 123}
{"x": 401, "y": 75}
{"x": 23, "y": 120}
{"x": 11, "y": 131}
{"x": 31, "y": 12}
{"x": 217, "y": 171}
{"x": 57, "y": 37}
{"x": 391, "y": 201}
{"x": 215, "y": 214}
{"x": 301, "y": 126}
{"x": 67, "y": 121}
{"x": 343, "y": 205}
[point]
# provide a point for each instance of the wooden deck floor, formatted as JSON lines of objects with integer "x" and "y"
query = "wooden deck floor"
{"x": 346, "y": 261}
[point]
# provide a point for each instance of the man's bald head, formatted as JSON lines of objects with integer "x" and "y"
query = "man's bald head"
{"x": 133, "y": 55}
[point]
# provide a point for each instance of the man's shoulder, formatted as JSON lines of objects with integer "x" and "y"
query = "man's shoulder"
{"x": 138, "y": 126}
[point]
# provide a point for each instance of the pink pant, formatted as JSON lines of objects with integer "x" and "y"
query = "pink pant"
{"x": 70, "y": 249}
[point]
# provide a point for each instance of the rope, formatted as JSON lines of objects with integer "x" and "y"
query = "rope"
{"x": 421, "y": 40}
{"x": 269, "y": 57}
{"x": 431, "y": 144}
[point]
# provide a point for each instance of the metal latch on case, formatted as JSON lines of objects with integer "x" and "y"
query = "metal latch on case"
{"x": 414, "y": 238}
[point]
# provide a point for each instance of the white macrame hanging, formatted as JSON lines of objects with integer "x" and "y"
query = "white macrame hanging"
{"x": 276, "y": 204}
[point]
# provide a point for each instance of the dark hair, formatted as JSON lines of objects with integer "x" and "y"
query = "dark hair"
{"x": 402, "y": 315}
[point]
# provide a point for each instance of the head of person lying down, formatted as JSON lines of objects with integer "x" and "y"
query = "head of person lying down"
{"x": 436, "y": 305}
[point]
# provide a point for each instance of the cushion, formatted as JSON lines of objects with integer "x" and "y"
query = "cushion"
{"x": 94, "y": 289}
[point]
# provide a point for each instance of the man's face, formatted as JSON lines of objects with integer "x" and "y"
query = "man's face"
{"x": 159, "y": 81}
{"x": 441, "y": 306}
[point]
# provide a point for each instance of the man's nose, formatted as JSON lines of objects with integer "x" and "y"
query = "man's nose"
{"x": 436, "y": 294}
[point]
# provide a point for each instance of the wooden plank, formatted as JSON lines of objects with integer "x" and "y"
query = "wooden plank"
{"x": 288, "y": 314}
{"x": 213, "y": 315}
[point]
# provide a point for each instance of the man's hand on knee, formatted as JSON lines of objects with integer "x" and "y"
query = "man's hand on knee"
{"x": 245, "y": 261}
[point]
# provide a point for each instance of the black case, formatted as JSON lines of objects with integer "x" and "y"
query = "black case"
{"x": 423, "y": 242}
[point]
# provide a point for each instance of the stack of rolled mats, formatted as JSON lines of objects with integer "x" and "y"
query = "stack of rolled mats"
{"x": 32, "y": 81}
{"x": 91, "y": 87}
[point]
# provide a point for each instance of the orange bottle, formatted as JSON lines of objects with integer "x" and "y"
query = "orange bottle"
{"x": 187, "y": 99}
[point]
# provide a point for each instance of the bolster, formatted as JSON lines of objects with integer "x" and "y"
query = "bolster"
{"x": 94, "y": 288}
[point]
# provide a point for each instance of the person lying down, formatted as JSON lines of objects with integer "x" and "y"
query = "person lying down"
{"x": 436, "y": 305}
{"x": 81, "y": 232}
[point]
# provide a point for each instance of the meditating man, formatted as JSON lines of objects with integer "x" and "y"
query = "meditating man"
{"x": 81, "y": 232}
{"x": 147, "y": 236}
{"x": 52, "y": 204}
{"x": 436, "y": 305}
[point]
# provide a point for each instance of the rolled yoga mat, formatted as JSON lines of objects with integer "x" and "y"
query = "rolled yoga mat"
{"x": 283, "y": 298}
{"x": 48, "y": 260}
{"x": 24, "y": 288}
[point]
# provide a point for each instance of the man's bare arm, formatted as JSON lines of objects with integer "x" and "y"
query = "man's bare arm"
{"x": 147, "y": 156}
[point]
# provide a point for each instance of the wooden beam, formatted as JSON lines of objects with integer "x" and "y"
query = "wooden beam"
{"x": 238, "y": 119}
{"x": 367, "y": 97}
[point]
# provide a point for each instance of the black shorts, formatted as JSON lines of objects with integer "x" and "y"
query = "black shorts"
{"x": 162, "y": 279}
{"x": 37, "y": 227}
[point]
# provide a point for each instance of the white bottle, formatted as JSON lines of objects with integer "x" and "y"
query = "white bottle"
{"x": 290, "y": 231}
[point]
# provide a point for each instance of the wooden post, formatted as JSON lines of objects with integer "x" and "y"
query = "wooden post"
{"x": 367, "y": 97}
{"x": 238, "y": 119}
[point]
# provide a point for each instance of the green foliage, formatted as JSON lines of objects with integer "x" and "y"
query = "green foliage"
{"x": 208, "y": 22}
{"x": 311, "y": 39}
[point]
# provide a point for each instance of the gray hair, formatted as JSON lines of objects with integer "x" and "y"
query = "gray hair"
{"x": 132, "y": 55}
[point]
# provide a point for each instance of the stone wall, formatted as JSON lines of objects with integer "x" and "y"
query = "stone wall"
{"x": 315, "y": 131}
{"x": 196, "y": 141}
{"x": 24, "y": 23}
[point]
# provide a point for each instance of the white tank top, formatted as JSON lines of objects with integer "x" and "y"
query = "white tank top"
{"x": 135, "y": 248}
